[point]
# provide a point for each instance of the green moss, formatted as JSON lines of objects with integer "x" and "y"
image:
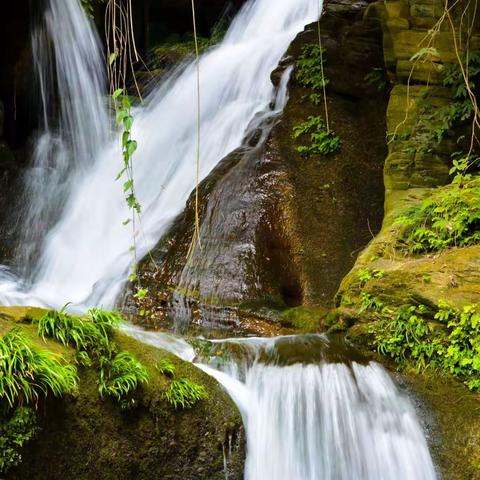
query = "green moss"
{"x": 90, "y": 437}
{"x": 304, "y": 319}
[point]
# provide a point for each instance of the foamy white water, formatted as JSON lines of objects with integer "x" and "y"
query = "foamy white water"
{"x": 317, "y": 421}
{"x": 69, "y": 68}
{"x": 86, "y": 257}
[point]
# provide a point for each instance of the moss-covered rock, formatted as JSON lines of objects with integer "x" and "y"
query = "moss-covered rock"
{"x": 90, "y": 437}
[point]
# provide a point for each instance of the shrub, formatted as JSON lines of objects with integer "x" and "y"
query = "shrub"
{"x": 120, "y": 377}
{"x": 185, "y": 393}
{"x": 408, "y": 336}
{"x": 16, "y": 429}
{"x": 27, "y": 372}
{"x": 309, "y": 72}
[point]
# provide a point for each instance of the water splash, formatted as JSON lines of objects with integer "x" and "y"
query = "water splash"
{"x": 327, "y": 420}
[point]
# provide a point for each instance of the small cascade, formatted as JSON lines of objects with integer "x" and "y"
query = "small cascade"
{"x": 316, "y": 414}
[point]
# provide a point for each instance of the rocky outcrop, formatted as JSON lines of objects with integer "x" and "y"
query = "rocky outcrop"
{"x": 416, "y": 165}
{"x": 286, "y": 236}
{"x": 89, "y": 437}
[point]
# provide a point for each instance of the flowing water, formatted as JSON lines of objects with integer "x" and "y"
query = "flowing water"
{"x": 310, "y": 417}
{"x": 86, "y": 257}
{"x": 312, "y": 412}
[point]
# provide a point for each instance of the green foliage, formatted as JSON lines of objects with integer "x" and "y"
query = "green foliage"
{"x": 124, "y": 121}
{"x": 321, "y": 140}
{"x": 166, "y": 368}
{"x": 120, "y": 377}
{"x": 88, "y": 7}
{"x": 461, "y": 109}
{"x": 462, "y": 353}
{"x": 27, "y": 372}
{"x": 449, "y": 217}
{"x": 455, "y": 348}
{"x": 346, "y": 301}
{"x": 16, "y": 429}
{"x": 370, "y": 303}
{"x": 185, "y": 393}
{"x": 377, "y": 78}
{"x": 89, "y": 335}
{"x": 309, "y": 72}
{"x": 366, "y": 274}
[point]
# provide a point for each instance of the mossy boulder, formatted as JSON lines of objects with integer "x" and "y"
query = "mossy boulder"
{"x": 89, "y": 437}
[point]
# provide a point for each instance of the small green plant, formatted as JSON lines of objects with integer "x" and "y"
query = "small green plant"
{"x": 449, "y": 217}
{"x": 346, "y": 301}
{"x": 461, "y": 109}
{"x": 322, "y": 141}
{"x": 366, "y": 274}
{"x": 407, "y": 336}
{"x": 16, "y": 429}
{"x": 27, "y": 372}
{"x": 185, "y": 393}
{"x": 370, "y": 303}
{"x": 90, "y": 334}
{"x": 309, "y": 72}
{"x": 167, "y": 368}
{"x": 377, "y": 78}
{"x": 120, "y": 378}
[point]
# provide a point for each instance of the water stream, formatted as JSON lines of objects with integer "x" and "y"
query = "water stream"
{"x": 311, "y": 417}
{"x": 311, "y": 411}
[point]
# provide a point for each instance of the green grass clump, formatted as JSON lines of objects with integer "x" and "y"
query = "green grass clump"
{"x": 184, "y": 393}
{"x": 120, "y": 377}
{"x": 453, "y": 346}
{"x": 16, "y": 429}
{"x": 450, "y": 217}
{"x": 27, "y": 372}
{"x": 166, "y": 368}
{"x": 90, "y": 334}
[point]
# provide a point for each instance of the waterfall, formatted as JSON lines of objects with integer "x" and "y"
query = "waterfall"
{"x": 70, "y": 76}
{"x": 86, "y": 257}
{"x": 322, "y": 415}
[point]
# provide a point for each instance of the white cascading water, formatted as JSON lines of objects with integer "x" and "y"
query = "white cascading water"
{"x": 69, "y": 68}
{"x": 311, "y": 421}
{"x": 86, "y": 257}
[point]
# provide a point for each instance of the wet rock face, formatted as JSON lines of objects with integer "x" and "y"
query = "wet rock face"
{"x": 279, "y": 230}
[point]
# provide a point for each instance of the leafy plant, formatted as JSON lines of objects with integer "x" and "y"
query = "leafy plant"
{"x": 90, "y": 334}
{"x": 120, "y": 377}
{"x": 366, "y": 274}
{"x": 449, "y": 217}
{"x": 185, "y": 393}
{"x": 371, "y": 303}
{"x": 409, "y": 337}
{"x": 377, "y": 78}
{"x": 27, "y": 372}
{"x": 16, "y": 429}
{"x": 167, "y": 368}
{"x": 309, "y": 72}
{"x": 323, "y": 142}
